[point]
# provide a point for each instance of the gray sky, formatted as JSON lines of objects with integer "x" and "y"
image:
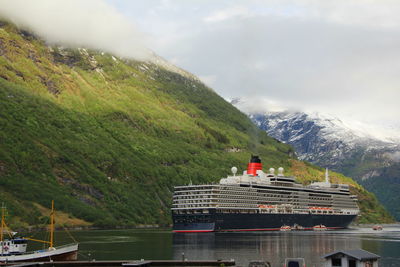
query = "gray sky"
{"x": 340, "y": 57}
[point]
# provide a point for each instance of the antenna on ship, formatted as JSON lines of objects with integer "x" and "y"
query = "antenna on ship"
{"x": 326, "y": 176}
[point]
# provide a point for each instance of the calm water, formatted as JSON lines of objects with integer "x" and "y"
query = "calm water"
{"x": 243, "y": 247}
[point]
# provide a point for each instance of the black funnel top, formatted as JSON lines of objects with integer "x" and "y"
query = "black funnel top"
{"x": 255, "y": 159}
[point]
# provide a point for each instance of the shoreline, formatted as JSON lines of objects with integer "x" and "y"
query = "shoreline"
{"x": 85, "y": 228}
{"x": 166, "y": 227}
{"x": 370, "y": 225}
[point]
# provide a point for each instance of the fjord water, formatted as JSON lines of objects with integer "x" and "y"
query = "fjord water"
{"x": 243, "y": 246}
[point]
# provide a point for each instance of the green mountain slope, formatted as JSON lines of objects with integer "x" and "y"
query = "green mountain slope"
{"x": 386, "y": 186}
{"x": 108, "y": 138}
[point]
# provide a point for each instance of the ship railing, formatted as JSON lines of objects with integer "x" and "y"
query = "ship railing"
{"x": 194, "y": 200}
{"x": 213, "y": 187}
{"x": 270, "y": 210}
{"x": 177, "y": 188}
{"x": 196, "y": 208}
{"x": 227, "y": 209}
{"x": 196, "y": 196}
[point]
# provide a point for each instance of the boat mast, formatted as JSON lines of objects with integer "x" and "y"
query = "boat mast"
{"x": 51, "y": 240}
{"x": 2, "y": 228}
{"x": 52, "y": 225}
{"x": 2, "y": 223}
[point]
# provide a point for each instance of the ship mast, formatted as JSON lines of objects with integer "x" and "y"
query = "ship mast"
{"x": 51, "y": 240}
{"x": 52, "y": 225}
{"x": 4, "y": 227}
{"x": 326, "y": 176}
{"x": 2, "y": 224}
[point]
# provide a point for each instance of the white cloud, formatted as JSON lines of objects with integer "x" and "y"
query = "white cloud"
{"x": 228, "y": 13}
{"x": 208, "y": 79}
{"x": 367, "y": 13}
{"x": 90, "y": 23}
{"x": 339, "y": 57}
{"x": 256, "y": 104}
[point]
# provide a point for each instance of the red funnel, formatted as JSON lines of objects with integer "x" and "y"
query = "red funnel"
{"x": 254, "y": 165}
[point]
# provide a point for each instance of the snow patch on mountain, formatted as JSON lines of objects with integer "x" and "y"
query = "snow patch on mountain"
{"x": 332, "y": 126}
{"x": 325, "y": 139}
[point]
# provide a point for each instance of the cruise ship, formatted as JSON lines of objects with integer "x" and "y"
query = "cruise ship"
{"x": 259, "y": 201}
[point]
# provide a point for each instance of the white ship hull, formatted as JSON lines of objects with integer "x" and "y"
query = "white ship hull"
{"x": 67, "y": 252}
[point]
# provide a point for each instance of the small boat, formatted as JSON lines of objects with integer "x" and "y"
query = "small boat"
{"x": 13, "y": 249}
{"x": 377, "y": 228}
{"x": 297, "y": 227}
{"x": 320, "y": 227}
{"x": 285, "y": 228}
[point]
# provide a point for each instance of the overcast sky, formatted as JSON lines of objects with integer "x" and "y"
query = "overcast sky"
{"x": 340, "y": 57}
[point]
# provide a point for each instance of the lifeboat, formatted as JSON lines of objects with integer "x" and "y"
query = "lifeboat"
{"x": 320, "y": 227}
{"x": 377, "y": 228}
{"x": 285, "y": 228}
{"x": 297, "y": 227}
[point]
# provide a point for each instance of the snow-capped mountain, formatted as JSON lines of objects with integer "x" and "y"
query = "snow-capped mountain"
{"x": 322, "y": 139}
{"x": 367, "y": 154}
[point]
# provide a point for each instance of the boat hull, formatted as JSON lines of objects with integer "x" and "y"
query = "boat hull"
{"x": 64, "y": 253}
{"x": 256, "y": 222}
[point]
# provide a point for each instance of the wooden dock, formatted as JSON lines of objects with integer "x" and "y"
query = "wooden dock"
{"x": 125, "y": 263}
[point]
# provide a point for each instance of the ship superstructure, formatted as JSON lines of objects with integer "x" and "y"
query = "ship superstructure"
{"x": 261, "y": 201}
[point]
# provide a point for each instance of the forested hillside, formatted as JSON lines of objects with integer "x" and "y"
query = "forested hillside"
{"x": 107, "y": 138}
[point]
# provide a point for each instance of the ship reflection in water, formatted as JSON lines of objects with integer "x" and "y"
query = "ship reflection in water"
{"x": 271, "y": 247}
{"x": 243, "y": 247}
